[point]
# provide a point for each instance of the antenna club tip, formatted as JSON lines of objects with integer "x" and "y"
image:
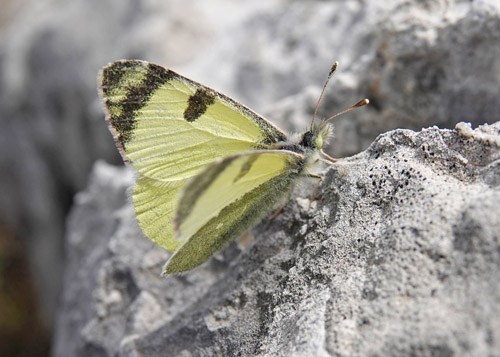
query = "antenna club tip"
{"x": 332, "y": 70}
{"x": 361, "y": 103}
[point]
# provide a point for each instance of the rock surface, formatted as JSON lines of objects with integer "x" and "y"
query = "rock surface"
{"x": 420, "y": 62}
{"x": 398, "y": 256}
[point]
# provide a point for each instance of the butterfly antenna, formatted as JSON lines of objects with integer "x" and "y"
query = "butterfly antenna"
{"x": 330, "y": 75}
{"x": 357, "y": 105}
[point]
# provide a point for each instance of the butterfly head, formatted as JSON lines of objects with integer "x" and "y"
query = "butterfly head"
{"x": 315, "y": 139}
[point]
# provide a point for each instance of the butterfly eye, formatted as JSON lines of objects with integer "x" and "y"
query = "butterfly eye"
{"x": 307, "y": 139}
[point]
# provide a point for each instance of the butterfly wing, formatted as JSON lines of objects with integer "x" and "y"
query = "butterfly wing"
{"x": 169, "y": 128}
{"x": 226, "y": 198}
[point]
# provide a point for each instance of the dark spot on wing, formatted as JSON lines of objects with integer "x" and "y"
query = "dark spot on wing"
{"x": 198, "y": 104}
{"x": 138, "y": 94}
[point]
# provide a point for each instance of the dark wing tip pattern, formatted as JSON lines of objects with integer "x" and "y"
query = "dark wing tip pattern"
{"x": 117, "y": 75}
{"x": 112, "y": 74}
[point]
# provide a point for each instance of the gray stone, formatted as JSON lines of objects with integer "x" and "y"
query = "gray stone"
{"x": 398, "y": 256}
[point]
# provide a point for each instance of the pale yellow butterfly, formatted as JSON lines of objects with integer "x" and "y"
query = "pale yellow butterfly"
{"x": 208, "y": 167}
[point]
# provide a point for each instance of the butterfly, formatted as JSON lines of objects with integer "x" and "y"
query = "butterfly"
{"x": 208, "y": 168}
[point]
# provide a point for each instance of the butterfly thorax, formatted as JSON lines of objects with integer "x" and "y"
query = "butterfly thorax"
{"x": 308, "y": 142}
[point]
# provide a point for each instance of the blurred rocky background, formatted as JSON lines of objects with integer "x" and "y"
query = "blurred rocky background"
{"x": 421, "y": 63}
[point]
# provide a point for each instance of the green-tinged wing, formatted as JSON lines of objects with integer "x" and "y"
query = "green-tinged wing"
{"x": 226, "y": 198}
{"x": 155, "y": 203}
{"x": 170, "y": 128}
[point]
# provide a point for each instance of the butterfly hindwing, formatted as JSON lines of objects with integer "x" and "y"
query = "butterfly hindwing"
{"x": 155, "y": 203}
{"x": 170, "y": 128}
{"x": 226, "y": 198}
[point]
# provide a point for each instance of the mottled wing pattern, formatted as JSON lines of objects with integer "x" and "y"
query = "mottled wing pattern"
{"x": 226, "y": 199}
{"x": 170, "y": 128}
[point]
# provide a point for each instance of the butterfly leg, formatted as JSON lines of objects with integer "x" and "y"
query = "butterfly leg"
{"x": 339, "y": 164}
{"x": 281, "y": 208}
{"x": 278, "y": 212}
{"x": 320, "y": 179}
{"x": 329, "y": 157}
{"x": 332, "y": 161}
